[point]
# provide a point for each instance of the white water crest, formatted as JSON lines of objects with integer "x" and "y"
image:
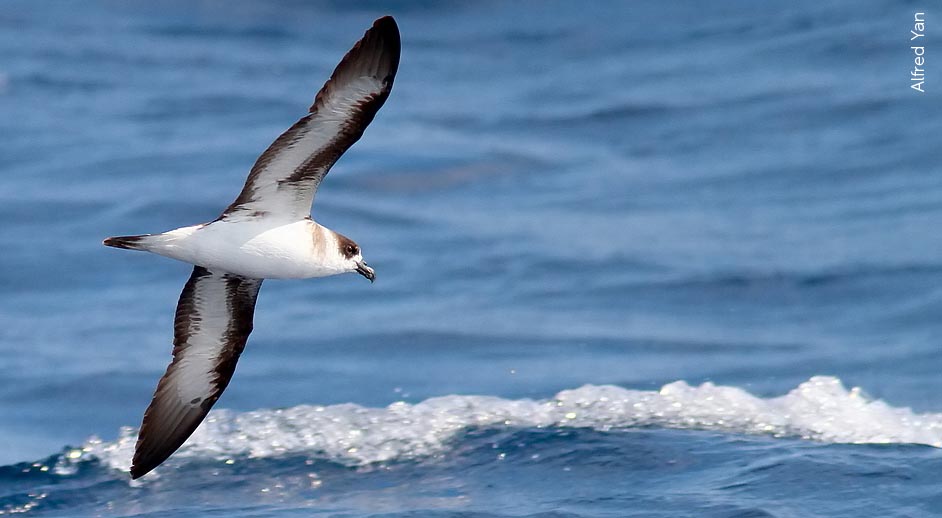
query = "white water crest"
{"x": 820, "y": 409}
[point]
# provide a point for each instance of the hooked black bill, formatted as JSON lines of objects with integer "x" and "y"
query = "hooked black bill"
{"x": 364, "y": 270}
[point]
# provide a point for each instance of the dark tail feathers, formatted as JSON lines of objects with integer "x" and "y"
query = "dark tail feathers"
{"x": 126, "y": 242}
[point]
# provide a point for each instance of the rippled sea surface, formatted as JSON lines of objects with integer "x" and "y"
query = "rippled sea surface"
{"x": 633, "y": 259}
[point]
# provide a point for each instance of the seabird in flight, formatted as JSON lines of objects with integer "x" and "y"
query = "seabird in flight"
{"x": 266, "y": 233}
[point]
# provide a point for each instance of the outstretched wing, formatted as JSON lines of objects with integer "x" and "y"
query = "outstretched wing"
{"x": 212, "y": 324}
{"x": 285, "y": 177}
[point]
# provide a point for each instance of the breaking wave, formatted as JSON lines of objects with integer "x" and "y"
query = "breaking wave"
{"x": 820, "y": 409}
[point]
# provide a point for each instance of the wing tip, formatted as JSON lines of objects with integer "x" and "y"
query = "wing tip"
{"x": 387, "y": 30}
{"x": 387, "y": 27}
{"x": 139, "y": 471}
{"x": 146, "y": 456}
{"x": 386, "y": 22}
{"x": 149, "y": 454}
{"x": 144, "y": 464}
{"x": 377, "y": 52}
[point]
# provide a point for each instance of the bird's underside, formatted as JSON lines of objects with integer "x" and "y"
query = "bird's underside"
{"x": 214, "y": 314}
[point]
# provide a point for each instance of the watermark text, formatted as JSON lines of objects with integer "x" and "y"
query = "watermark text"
{"x": 917, "y": 76}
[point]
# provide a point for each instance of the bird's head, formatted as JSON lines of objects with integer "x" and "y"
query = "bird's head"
{"x": 351, "y": 257}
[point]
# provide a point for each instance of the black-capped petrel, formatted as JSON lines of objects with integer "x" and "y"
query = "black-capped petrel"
{"x": 266, "y": 233}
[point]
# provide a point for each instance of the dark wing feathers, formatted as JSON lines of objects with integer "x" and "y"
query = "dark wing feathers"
{"x": 212, "y": 324}
{"x": 285, "y": 177}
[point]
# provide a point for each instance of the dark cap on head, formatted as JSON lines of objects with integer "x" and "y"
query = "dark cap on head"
{"x": 347, "y": 247}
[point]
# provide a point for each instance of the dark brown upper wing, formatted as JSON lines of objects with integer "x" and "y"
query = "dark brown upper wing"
{"x": 212, "y": 324}
{"x": 285, "y": 177}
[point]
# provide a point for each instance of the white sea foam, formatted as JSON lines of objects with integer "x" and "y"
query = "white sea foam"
{"x": 820, "y": 409}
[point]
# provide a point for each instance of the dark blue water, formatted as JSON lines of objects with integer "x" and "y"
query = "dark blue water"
{"x": 632, "y": 260}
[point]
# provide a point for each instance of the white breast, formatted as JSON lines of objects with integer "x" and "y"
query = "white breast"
{"x": 260, "y": 249}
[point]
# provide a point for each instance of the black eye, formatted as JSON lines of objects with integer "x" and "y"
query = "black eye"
{"x": 352, "y": 250}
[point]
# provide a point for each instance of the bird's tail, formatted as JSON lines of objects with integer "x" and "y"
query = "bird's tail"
{"x": 129, "y": 242}
{"x": 161, "y": 244}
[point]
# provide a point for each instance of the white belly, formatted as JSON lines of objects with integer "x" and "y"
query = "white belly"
{"x": 262, "y": 250}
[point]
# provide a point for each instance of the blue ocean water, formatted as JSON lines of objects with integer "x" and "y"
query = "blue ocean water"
{"x": 633, "y": 259}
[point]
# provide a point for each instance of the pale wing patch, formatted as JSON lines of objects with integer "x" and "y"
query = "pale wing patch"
{"x": 193, "y": 377}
